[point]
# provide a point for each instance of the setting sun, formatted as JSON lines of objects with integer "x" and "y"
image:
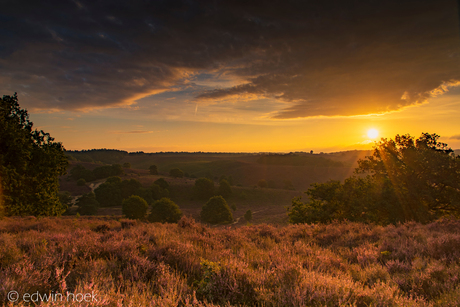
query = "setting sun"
{"x": 372, "y": 133}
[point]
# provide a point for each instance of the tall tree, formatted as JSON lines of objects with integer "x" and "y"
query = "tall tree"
{"x": 30, "y": 164}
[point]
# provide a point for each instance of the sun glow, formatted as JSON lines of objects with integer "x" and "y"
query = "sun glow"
{"x": 372, "y": 133}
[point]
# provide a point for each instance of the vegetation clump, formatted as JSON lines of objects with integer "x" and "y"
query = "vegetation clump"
{"x": 134, "y": 207}
{"x": 216, "y": 211}
{"x": 30, "y": 164}
{"x": 225, "y": 190}
{"x": 176, "y": 173}
{"x": 153, "y": 170}
{"x": 204, "y": 188}
{"x": 407, "y": 180}
{"x": 165, "y": 211}
{"x": 87, "y": 204}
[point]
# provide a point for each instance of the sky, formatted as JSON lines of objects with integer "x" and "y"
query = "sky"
{"x": 233, "y": 76}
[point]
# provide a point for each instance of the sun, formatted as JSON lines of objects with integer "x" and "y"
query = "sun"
{"x": 372, "y": 133}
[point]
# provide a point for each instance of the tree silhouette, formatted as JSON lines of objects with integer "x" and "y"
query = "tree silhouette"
{"x": 30, "y": 164}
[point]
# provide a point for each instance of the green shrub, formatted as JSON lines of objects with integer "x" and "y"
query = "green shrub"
{"x": 216, "y": 211}
{"x": 176, "y": 173}
{"x": 87, "y": 204}
{"x": 248, "y": 216}
{"x": 134, "y": 207}
{"x": 126, "y": 165}
{"x": 153, "y": 170}
{"x": 81, "y": 182}
{"x": 262, "y": 183}
{"x": 224, "y": 189}
{"x": 204, "y": 188}
{"x": 165, "y": 211}
{"x": 162, "y": 183}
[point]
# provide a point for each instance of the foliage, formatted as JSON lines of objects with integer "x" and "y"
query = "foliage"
{"x": 80, "y": 172}
{"x": 108, "y": 194}
{"x": 81, "y": 182}
{"x": 224, "y": 189}
{"x": 162, "y": 183}
{"x": 87, "y": 204}
{"x": 298, "y": 160}
{"x": 158, "y": 192}
{"x": 30, "y": 164}
{"x": 407, "y": 180}
{"x": 107, "y": 156}
{"x": 126, "y": 165}
{"x": 176, "y": 173}
{"x": 216, "y": 211}
{"x": 204, "y": 188}
{"x": 287, "y": 185}
{"x": 153, "y": 170}
{"x": 108, "y": 171}
{"x": 262, "y": 183}
{"x": 129, "y": 187}
{"x": 65, "y": 198}
{"x": 248, "y": 216}
{"x": 134, "y": 207}
{"x": 165, "y": 211}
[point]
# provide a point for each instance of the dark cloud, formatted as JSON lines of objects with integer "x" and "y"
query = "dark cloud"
{"x": 319, "y": 57}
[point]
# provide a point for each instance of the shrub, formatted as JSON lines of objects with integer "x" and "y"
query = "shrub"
{"x": 248, "y": 216}
{"x": 108, "y": 194}
{"x": 153, "y": 170}
{"x": 216, "y": 211}
{"x": 81, "y": 182}
{"x": 162, "y": 183}
{"x": 224, "y": 189}
{"x": 134, "y": 207}
{"x": 262, "y": 183}
{"x": 176, "y": 173}
{"x": 158, "y": 192}
{"x": 204, "y": 188}
{"x": 126, "y": 165}
{"x": 165, "y": 211}
{"x": 87, "y": 204}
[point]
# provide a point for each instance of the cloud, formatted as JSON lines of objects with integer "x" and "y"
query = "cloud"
{"x": 334, "y": 58}
{"x": 455, "y": 137}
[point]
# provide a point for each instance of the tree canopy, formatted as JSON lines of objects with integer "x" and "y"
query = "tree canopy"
{"x": 30, "y": 164}
{"x": 216, "y": 211}
{"x": 405, "y": 180}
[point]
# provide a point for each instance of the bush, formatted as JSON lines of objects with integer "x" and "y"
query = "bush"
{"x": 153, "y": 170}
{"x": 204, "y": 188}
{"x": 126, "y": 165}
{"x": 134, "y": 207}
{"x": 165, "y": 211}
{"x": 158, "y": 192}
{"x": 81, "y": 182}
{"x": 108, "y": 194}
{"x": 248, "y": 216}
{"x": 262, "y": 183}
{"x": 162, "y": 183}
{"x": 216, "y": 211}
{"x": 87, "y": 204}
{"x": 224, "y": 189}
{"x": 176, "y": 173}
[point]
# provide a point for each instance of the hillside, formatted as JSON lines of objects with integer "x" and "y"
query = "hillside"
{"x": 128, "y": 263}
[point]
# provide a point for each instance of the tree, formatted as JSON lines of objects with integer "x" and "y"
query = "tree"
{"x": 30, "y": 164}
{"x": 216, "y": 211}
{"x": 406, "y": 180}
{"x": 134, "y": 207}
{"x": 158, "y": 192}
{"x": 165, "y": 211}
{"x": 204, "y": 188}
{"x": 153, "y": 170}
{"x": 248, "y": 216}
{"x": 129, "y": 187}
{"x": 162, "y": 183}
{"x": 108, "y": 194}
{"x": 126, "y": 165}
{"x": 87, "y": 204}
{"x": 424, "y": 175}
{"x": 81, "y": 182}
{"x": 176, "y": 173}
{"x": 224, "y": 189}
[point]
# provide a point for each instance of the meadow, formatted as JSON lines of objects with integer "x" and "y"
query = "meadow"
{"x": 131, "y": 263}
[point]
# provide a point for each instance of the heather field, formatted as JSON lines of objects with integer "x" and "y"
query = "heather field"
{"x": 56, "y": 261}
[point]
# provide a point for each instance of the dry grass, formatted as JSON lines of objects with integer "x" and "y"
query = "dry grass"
{"x": 128, "y": 263}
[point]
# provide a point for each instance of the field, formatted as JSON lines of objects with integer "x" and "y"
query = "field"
{"x": 57, "y": 261}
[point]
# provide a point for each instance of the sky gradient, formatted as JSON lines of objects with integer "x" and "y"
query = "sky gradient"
{"x": 233, "y": 75}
